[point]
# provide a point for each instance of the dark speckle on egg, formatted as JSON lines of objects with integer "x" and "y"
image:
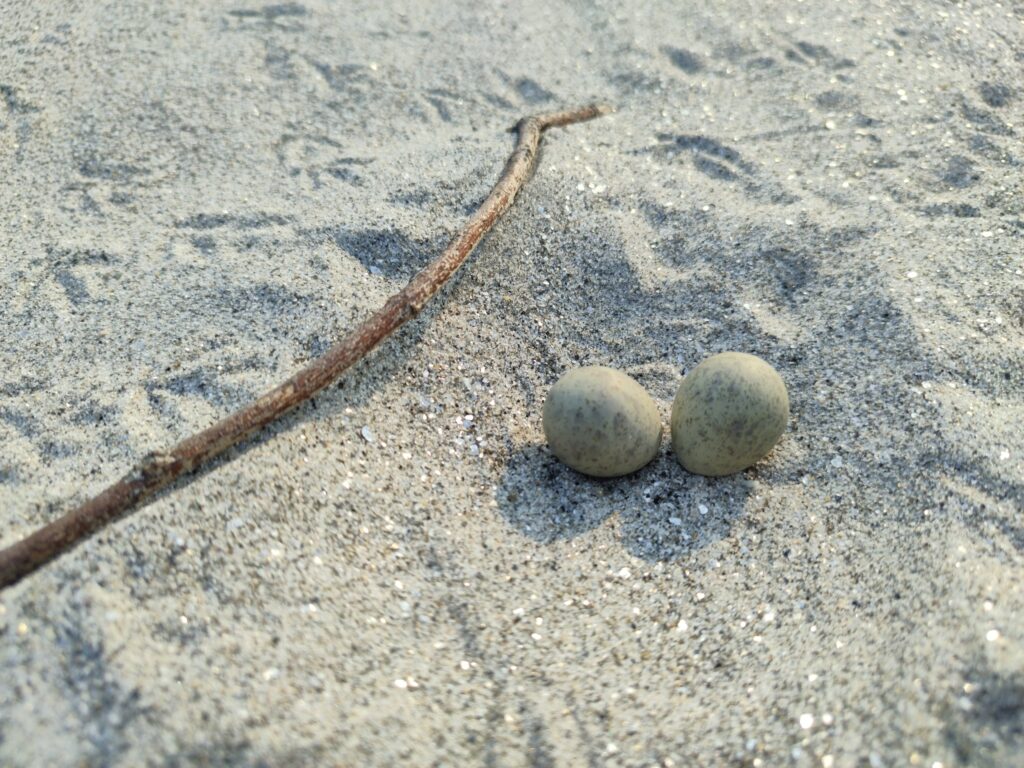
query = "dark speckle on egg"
{"x": 618, "y": 431}
{"x": 729, "y": 413}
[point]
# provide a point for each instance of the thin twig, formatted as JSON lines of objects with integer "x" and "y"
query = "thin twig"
{"x": 158, "y": 469}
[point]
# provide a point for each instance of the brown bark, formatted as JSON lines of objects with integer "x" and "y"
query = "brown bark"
{"x": 158, "y": 469}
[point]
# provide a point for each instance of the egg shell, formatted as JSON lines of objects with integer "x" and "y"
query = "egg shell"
{"x": 729, "y": 412}
{"x": 601, "y": 422}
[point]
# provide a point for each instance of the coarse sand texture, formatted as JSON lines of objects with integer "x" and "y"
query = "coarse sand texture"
{"x": 198, "y": 199}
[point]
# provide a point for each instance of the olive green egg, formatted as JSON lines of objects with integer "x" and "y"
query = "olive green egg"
{"x": 601, "y": 422}
{"x": 729, "y": 413}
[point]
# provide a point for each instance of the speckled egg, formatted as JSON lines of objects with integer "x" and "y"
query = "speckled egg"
{"x": 729, "y": 412}
{"x": 601, "y": 422}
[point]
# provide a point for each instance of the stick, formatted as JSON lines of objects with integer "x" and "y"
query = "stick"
{"x": 158, "y": 469}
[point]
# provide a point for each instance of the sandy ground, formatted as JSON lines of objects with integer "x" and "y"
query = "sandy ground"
{"x": 197, "y": 197}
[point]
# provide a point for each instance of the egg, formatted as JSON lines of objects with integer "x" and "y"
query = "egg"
{"x": 601, "y": 422}
{"x": 729, "y": 412}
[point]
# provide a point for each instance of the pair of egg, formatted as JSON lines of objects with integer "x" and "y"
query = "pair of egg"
{"x": 728, "y": 413}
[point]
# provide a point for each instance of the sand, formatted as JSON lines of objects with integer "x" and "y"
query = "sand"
{"x": 198, "y": 197}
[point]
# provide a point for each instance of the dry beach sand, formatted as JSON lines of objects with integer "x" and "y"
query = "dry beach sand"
{"x": 198, "y": 197}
